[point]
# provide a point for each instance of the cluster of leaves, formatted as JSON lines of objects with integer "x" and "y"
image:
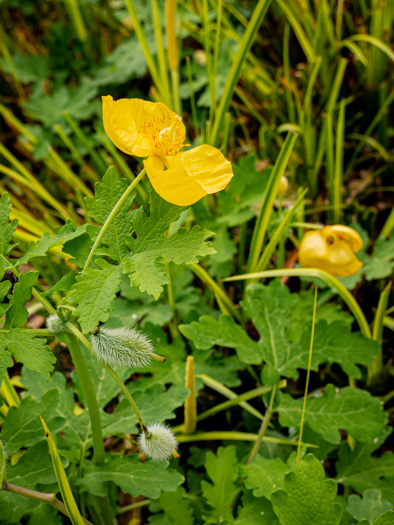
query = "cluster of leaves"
{"x": 141, "y": 253}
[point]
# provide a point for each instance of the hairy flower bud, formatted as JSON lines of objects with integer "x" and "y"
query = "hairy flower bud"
{"x": 55, "y": 325}
{"x": 160, "y": 445}
{"x": 122, "y": 346}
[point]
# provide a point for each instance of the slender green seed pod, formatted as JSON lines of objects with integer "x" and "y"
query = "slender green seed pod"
{"x": 122, "y": 346}
{"x": 160, "y": 445}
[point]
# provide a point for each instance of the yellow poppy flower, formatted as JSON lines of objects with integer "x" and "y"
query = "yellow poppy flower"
{"x": 150, "y": 129}
{"x": 331, "y": 249}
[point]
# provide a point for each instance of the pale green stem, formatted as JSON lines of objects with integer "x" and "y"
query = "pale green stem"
{"x": 111, "y": 217}
{"x": 132, "y": 506}
{"x": 264, "y": 426}
{"x": 51, "y": 499}
{"x": 307, "y": 378}
{"x": 130, "y": 399}
{"x": 236, "y": 436}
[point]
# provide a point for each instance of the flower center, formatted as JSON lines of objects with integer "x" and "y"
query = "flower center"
{"x": 165, "y": 142}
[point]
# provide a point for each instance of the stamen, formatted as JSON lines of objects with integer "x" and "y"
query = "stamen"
{"x": 166, "y": 142}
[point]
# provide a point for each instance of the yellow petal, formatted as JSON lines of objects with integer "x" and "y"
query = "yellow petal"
{"x": 206, "y": 165}
{"x": 173, "y": 185}
{"x": 346, "y": 234}
{"x": 342, "y": 261}
{"x": 142, "y": 128}
{"x": 313, "y": 249}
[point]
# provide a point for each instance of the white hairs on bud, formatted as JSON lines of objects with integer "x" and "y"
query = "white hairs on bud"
{"x": 55, "y": 325}
{"x": 160, "y": 445}
{"x": 122, "y": 346}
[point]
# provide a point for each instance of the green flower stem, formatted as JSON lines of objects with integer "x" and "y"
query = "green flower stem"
{"x": 90, "y": 396}
{"x": 264, "y": 426}
{"x": 111, "y": 217}
{"x": 130, "y": 399}
{"x": 307, "y": 377}
{"x": 246, "y": 396}
{"x": 132, "y": 506}
{"x": 114, "y": 375}
{"x": 236, "y": 436}
{"x": 320, "y": 274}
{"x": 51, "y": 499}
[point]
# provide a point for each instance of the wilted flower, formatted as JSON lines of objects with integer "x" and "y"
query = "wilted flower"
{"x": 150, "y": 129}
{"x": 160, "y": 445}
{"x": 55, "y": 325}
{"x": 331, "y": 249}
{"x": 122, "y": 346}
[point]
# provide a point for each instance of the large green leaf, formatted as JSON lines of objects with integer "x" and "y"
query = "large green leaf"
{"x": 7, "y": 229}
{"x": 33, "y": 469}
{"x": 27, "y": 349}
{"x": 222, "y": 470}
{"x": 22, "y": 426}
{"x": 176, "y": 508}
{"x": 281, "y": 319}
{"x": 62, "y": 235}
{"x": 308, "y": 498}
{"x": 153, "y": 243}
{"x": 350, "y": 409}
{"x": 381, "y": 263}
{"x": 18, "y": 313}
{"x": 148, "y": 479}
{"x": 361, "y": 470}
{"x": 263, "y": 476}
{"x": 94, "y": 294}
{"x": 255, "y": 511}
{"x": 370, "y": 506}
{"x": 48, "y": 109}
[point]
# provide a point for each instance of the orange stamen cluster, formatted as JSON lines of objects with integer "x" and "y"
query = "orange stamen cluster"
{"x": 165, "y": 142}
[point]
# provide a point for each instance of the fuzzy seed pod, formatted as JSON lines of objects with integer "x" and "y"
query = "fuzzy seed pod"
{"x": 122, "y": 346}
{"x": 160, "y": 445}
{"x": 55, "y": 325}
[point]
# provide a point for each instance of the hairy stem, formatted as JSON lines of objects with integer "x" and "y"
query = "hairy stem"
{"x": 51, "y": 499}
{"x": 90, "y": 397}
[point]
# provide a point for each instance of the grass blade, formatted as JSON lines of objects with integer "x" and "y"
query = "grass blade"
{"x": 65, "y": 489}
{"x": 338, "y": 175}
{"x": 268, "y": 200}
{"x": 279, "y": 233}
{"x": 247, "y": 40}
